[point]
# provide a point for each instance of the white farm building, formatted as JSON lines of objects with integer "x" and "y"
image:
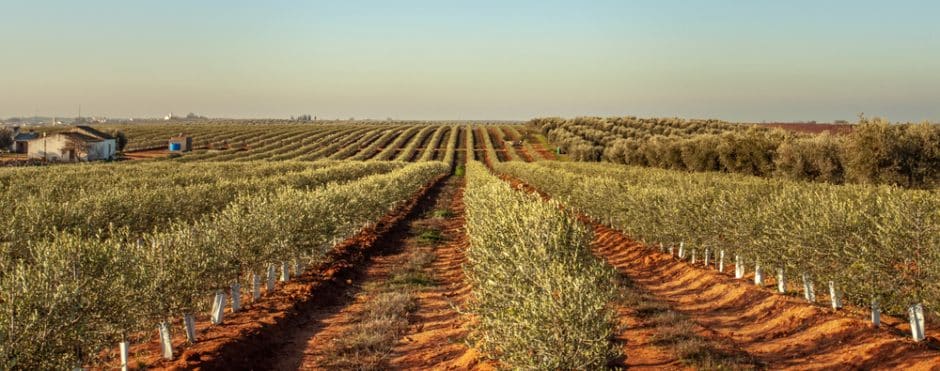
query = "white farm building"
{"x": 81, "y": 143}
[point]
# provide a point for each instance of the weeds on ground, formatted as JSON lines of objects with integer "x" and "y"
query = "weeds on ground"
{"x": 369, "y": 342}
{"x": 442, "y": 213}
{"x": 430, "y": 237}
{"x": 676, "y": 332}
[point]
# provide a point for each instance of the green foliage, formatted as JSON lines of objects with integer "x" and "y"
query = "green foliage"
{"x": 880, "y": 153}
{"x": 541, "y": 299}
{"x": 6, "y": 139}
{"x": 874, "y": 152}
{"x": 78, "y": 292}
{"x": 875, "y": 242}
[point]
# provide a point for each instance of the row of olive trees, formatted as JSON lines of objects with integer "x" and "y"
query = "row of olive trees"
{"x": 541, "y": 301}
{"x": 866, "y": 243}
{"x": 69, "y": 202}
{"x": 81, "y": 294}
{"x": 875, "y": 152}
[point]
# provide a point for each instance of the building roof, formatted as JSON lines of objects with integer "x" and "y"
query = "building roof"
{"x": 22, "y": 137}
{"x": 81, "y": 136}
{"x": 74, "y": 135}
{"x": 90, "y": 131}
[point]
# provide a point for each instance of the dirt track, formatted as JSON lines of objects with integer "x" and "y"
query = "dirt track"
{"x": 436, "y": 332}
{"x": 294, "y": 327}
{"x": 777, "y": 331}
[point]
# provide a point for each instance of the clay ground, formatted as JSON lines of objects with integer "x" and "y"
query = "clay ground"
{"x": 435, "y": 334}
{"x": 296, "y": 326}
{"x": 774, "y": 331}
{"x": 299, "y": 325}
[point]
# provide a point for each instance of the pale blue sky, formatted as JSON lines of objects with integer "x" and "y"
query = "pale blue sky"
{"x": 735, "y": 60}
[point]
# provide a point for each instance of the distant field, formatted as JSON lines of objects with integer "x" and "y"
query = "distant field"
{"x": 444, "y": 245}
{"x": 812, "y": 128}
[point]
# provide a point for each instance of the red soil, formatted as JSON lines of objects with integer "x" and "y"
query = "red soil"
{"x": 520, "y": 149}
{"x": 546, "y": 154}
{"x": 434, "y": 339}
{"x": 248, "y": 339}
{"x": 146, "y": 154}
{"x": 780, "y": 331}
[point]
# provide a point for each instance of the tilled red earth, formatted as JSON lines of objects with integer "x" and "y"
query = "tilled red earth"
{"x": 778, "y": 331}
{"x": 248, "y": 339}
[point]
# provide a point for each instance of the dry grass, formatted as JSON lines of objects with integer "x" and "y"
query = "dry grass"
{"x": 677, "y": 333}
{"x": 367, "y": 344}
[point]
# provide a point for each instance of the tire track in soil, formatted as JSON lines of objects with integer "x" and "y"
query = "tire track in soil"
{"x": 436, "y": 331}
{"x": 435, "y": 336}
{"x": 255, "y": 338}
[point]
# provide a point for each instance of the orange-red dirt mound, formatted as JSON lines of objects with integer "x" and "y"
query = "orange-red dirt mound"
{"x": 783, "y": 332}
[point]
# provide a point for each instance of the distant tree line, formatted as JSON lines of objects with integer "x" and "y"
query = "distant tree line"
{"x": 875, "y": 152}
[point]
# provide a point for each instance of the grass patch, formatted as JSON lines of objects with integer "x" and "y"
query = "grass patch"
{"x": 413, "y": 274}
{"x": 442, "y": 213}
{"x": 367, "y": 344}
{"x": 430, "y": 237}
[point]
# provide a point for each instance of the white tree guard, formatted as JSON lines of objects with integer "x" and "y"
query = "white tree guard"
{"x": 272, "y": 275}
{"x": 124, "y": 346}
{"x": 681, "y": 250}
{"x": 236, "y": 297}
{"x": 285, "y": 271}
{"x": 738, "y": 267}
{"x": 707, "y": 255}
{"x": 875, "y": 313}
{"x": 758, "y": 274}
{"x": 721, "y": 261}
{"x": 255, "y": 287}
{"x": 672, "y": 250}
{"x": 166, "y": 342}
{"x": 781, "y": 281}
{"x": 835, "y": 295}
{"x": 809, "y": 291}
{"x": 218, "y": 308}
{"x": 298, "y": 267}
{"x": 693, "y": 256}
{"x": 189, "y": 324}
{"x": 661, "y": 247}
{"x": 916, "y": 315}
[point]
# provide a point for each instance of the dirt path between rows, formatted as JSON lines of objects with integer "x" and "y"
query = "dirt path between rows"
{"x": 782, "y": 332}
{"x": 436, "y": 332}
{"x": 436, "y": 336}
{"x": 638, "y": 348}
{"x": 251, "y": 338}
{"x": 777, "y": 331}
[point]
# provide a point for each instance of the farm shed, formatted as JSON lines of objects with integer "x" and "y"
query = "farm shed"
{"x": 181, "y": 143}
{"x": 21, "y": 140}
{"x": 81, "y": 143}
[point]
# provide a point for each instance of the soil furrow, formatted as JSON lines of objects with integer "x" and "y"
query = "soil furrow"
{"x": 435, "y": 332}
{"x": 435, "y": 338}
{"x": 779, "y": 331}
{"x": 257, "y": 337}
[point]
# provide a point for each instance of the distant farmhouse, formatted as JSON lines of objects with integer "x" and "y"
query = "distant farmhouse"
{"x": 21, "y": 140}
{"x": 81, "y": 143}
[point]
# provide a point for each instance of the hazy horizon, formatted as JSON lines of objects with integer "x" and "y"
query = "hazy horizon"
{"x": 731, "y": 60}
